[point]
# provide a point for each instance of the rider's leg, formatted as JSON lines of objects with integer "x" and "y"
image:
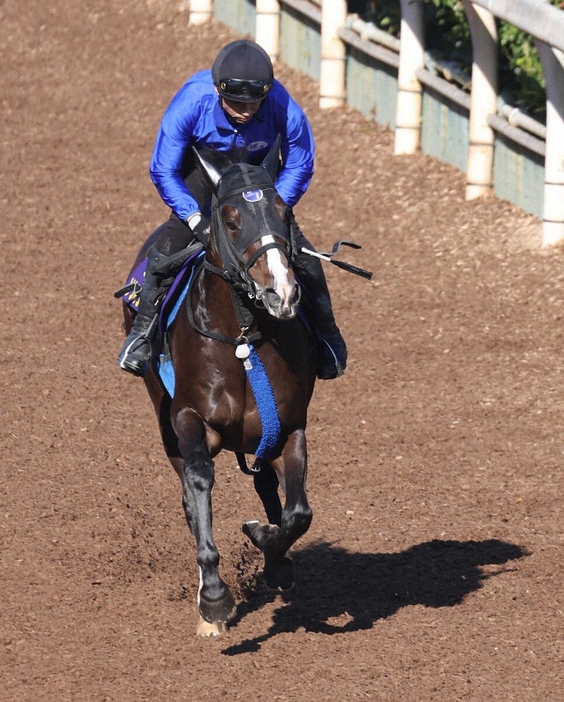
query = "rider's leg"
{"x": 332, "y": 350}
{"x": 136, "y": 352}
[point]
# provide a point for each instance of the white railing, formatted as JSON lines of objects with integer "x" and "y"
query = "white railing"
{"x": 546, "y": 24}
{"x": 537, "y": 17}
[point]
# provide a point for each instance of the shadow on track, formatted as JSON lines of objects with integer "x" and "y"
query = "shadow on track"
{"x": 350, "y": 591}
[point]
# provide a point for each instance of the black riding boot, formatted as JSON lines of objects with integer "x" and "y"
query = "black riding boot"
{"x": 331, "y": 347}
{"x": 136, "y": 352}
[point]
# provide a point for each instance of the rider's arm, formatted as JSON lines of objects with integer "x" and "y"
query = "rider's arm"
{"x": 174, "y": 137}
{"x": 298, "y": 149}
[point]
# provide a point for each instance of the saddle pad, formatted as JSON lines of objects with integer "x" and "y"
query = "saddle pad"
{"x": 135, "y": 280}
{"x": 177, "y": 291}
{"x": 172, "y": 303}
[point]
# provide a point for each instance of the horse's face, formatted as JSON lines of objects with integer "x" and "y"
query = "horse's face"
{"x": 254, "y": 221}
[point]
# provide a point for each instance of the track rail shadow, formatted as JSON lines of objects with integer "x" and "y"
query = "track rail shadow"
{"x": 339, "y": 591}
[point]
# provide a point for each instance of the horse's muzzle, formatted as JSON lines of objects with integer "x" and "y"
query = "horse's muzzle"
{"x": 282, "y": 304}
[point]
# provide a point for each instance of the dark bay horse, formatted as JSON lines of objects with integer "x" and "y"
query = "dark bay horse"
{"x": 242, "y": 310}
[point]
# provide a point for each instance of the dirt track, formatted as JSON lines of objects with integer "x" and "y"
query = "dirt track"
{"x": 433, "y": 568}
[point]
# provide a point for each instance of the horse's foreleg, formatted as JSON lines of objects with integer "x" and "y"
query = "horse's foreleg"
{"x": 216, "y": 603}
{"x": 275, "y": 540}
{"x": 215, "y": 600}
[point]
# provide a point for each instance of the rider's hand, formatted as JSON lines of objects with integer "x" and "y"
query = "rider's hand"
{"x": 200, "y": 226}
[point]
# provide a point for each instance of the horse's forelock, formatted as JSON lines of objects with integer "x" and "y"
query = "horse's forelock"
{"x": 243, "y": 176}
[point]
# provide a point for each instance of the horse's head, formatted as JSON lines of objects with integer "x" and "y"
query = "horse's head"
{"x": 250, "y": 234}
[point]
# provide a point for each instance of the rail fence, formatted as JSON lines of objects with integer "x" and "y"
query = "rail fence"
{"x": 502, "y": 151}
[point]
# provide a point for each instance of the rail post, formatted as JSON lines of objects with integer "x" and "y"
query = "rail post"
{"x": 553, "y": 206}
{"x": 410, "y": 94}
{"x": 267, "y": 27}
{"x": 483, "y": 101}
{"x": 201, "y": 11}
{"x": 332, "y": 92}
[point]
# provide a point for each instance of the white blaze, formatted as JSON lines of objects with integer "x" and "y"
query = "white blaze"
{"x": 278, "y": 269}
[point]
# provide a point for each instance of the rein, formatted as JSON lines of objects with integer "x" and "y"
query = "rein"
{"x": 235, "y": 271}
{"x": 245, "y": 317}
{"x": 251, "y": 191}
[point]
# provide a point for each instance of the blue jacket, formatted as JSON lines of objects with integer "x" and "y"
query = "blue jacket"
{"x": 195, "y": 118}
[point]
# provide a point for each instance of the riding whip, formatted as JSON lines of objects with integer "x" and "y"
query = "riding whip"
{"x": 340, "y": 264}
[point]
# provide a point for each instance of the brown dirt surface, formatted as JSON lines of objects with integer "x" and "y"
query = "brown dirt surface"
{"x": 433, "y": 567}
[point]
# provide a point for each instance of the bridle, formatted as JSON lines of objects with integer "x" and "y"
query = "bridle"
{"x": 250, "y": 190}
{"x": 254, "y": 198}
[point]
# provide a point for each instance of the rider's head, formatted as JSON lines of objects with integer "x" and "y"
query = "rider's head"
{"x": 242, "y": 72}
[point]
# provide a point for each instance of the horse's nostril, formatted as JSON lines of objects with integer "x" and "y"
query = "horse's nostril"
{"x": 270, "y": 299}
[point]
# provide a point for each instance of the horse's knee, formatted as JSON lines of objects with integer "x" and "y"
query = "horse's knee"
{"x": 296, "y": 522}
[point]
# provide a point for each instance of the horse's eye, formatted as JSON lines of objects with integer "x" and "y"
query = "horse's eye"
{"x": 230, "y": 224}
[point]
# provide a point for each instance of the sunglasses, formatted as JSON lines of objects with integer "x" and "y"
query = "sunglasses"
{"x": 235, "y": 87}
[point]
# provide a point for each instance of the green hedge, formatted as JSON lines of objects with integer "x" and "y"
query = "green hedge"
{"x": 447, "y": 34}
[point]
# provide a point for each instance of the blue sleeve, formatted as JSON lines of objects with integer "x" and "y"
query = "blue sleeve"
{"x": 174, "y": 137}
{"x": 298, "y": 151}
{"x": 192, "y": 118}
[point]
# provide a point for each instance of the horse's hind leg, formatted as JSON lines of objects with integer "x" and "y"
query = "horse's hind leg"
{"x": 266, "y": 486}
{"x": 276, "y": 539}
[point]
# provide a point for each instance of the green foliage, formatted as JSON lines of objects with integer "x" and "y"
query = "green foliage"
{"x": 521, "y": 72}
{"x": 447, "y": 30}
{"x": 385, "y": 14}
{"x": 448, "y": 34}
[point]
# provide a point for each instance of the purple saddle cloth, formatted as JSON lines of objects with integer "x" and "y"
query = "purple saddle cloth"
{"x": 175, "y": 294}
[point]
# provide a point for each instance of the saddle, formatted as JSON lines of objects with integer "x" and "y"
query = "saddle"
{"x": 174, "y": 273}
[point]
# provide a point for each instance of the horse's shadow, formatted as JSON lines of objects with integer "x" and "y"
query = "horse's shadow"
{"x": 338, "y": 591}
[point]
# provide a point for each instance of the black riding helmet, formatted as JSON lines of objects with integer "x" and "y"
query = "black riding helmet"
{"x": 243, "y": 71}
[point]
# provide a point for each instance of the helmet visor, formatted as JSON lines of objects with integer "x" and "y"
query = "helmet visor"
{"x": 244, "y": 90}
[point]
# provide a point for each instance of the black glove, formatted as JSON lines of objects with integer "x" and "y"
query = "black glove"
{"x": 202, "y": 230}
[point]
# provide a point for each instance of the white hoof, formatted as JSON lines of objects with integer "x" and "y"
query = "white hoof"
{"x": 210, "y": 629}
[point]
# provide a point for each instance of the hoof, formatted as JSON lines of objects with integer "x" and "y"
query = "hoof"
{"x": 260, "y": 534}
{"x": 278, "y": 572}
{"x": 280, "y": 576}
{"x": 209, "y": 629}
{"x": 218, "y": 611}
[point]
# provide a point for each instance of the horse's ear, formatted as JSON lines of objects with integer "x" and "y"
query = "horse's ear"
{"x": 272, "y": 159}
{"x": 209, "y": 170}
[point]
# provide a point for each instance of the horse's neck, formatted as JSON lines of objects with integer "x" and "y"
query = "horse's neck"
{"x": 216, "y": 302}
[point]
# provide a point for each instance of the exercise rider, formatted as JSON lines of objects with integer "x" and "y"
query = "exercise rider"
{"x": 237, "y": 107}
